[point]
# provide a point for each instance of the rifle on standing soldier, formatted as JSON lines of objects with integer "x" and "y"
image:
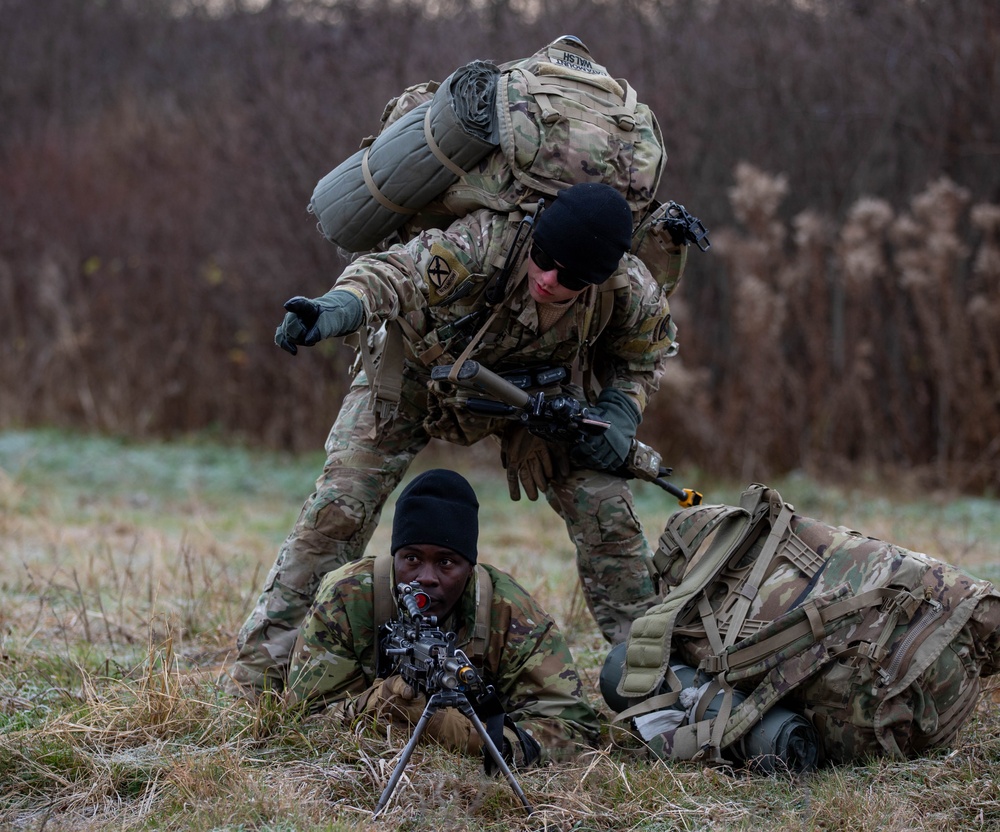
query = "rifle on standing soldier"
{"x": 558, "y": 418}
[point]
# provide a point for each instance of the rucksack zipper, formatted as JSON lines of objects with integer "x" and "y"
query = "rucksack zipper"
{"x": 888, "y": 674}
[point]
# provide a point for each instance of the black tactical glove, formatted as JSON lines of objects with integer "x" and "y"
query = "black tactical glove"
{"x": 309, "y": 321}
{"x": 607, "y": 451}
{"x": 517, "y": 747}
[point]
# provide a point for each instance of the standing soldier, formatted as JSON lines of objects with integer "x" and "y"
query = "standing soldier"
{"x": 555, "y": 290}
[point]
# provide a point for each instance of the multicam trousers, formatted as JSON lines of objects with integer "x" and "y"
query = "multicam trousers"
{"x": 363, "y": 467}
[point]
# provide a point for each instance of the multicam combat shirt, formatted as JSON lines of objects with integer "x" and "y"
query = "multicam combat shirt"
{"x": 418, "y": 281}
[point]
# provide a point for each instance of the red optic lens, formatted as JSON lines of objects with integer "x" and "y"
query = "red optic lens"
{"x": 422, "y": 599}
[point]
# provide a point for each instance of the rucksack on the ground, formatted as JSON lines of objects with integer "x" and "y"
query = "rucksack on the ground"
{"x": 873, "y": 648}
{"x": 502, "y": 137}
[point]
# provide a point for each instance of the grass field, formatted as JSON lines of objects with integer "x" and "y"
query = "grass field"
{"x": 126, "y": 570}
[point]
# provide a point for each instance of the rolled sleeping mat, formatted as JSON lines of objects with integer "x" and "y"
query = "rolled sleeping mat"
{"x": 415, "y": 159}
{"x": 783, "y": 741}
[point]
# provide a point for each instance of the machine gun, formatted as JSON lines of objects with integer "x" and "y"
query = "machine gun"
{"x": 557, "y": 418}
{"x": 429, "y": 662}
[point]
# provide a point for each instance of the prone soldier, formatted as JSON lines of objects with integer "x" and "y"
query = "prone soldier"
{"x": 348, "y": 652}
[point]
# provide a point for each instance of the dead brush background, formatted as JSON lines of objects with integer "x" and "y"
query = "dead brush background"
{"x": 156, "y": 158}
{"x": 153, "y": 193}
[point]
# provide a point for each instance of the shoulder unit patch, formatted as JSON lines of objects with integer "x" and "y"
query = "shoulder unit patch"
{"x": 443, "y": 273}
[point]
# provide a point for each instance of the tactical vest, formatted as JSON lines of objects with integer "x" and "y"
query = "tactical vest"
{"x": 879, "y": 647}
{"x": 381, "y": 354}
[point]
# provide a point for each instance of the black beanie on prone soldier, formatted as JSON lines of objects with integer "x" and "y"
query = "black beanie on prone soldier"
{"x": 438, "y": 508}
{"x": 586, "y": 229}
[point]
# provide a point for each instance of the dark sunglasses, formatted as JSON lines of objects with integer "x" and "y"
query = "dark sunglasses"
{"x": 547, "y": 264}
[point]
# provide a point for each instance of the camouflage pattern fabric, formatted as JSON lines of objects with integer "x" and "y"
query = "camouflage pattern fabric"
{"x": 563, "y": 119}
{"x": 880, "y": 647}
{"x": 367, "y": 460}
{"x": 526, "y": 659}
{"x": 409, "y": 281}
{"x": 333, "y": 528}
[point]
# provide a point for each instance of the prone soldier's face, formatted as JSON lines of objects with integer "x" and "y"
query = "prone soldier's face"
{"x": 442, "y": 574}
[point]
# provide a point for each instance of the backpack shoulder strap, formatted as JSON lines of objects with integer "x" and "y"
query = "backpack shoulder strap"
{"x": 649, "y": 641}
{"x": 382, "y": 589}
{"x": 599, "y": 314}
{"x": 606, "y": 300}
{"x": 480, "y": 640}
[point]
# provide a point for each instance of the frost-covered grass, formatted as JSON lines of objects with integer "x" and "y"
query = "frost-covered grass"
{"x": 126, "y": 570}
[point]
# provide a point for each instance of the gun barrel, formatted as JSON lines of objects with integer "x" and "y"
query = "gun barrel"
{"x": 475, "y": 376}
{"x": 491, "y": 407}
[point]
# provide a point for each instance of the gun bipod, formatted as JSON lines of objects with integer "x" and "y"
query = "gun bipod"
{"x": 450, "y": 699}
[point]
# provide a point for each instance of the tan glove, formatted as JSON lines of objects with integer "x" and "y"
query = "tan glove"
{"x": 451, "y": 728}
{"x": 394, "y": 700}
{"x": 530, "y": 461}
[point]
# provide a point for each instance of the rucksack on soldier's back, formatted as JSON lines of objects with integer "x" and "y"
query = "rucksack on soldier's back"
{"x": 866, "y": 648}
{"x": 502, "y": 137}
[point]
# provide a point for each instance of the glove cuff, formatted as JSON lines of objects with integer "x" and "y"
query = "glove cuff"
{"x": 616, "y": 398}
{"x": 349, "y": 303}
{"x": 524, "y": 748}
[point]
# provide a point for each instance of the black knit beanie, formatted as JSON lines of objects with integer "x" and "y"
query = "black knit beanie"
{"x": 587, "y": 229}
{"x": 440, "y": 508}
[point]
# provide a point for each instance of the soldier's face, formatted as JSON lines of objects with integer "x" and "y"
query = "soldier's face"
{"x": 544, "y": 285}
{"x": 441, "y": 572}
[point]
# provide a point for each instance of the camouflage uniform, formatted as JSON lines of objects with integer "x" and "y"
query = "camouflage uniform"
{"x": 526, "y": 658}
{"x": 368, "y": 458}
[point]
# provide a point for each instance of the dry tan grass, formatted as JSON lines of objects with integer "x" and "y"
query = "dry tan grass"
{"x": 117, "y": 618}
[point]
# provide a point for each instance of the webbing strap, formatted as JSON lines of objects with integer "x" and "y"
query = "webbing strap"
{"x": 776, "y": 685}
{"x": 631, "y": 98}
{"x": 708, "y": 621}
{"x": 382, "y": 590}
{"x": 439, "y": 154}
{"x": 748, "y": 592}
{"x": 603, "y": 82}
{"x": 657, "y": 702}
{"x": 653, "y": 703}
{"x": 796, "y": 625}
{"x": 605, "y": 307}
{"x": 720, "y": 722}
{"x": 606, "y": 291}
{"x": 484, "y": 607}
{"x": 373, "y": 189}
{"x": 388, "y": 386}
{"x": 593, "y": 111}
{"x": 456, "y": 367}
